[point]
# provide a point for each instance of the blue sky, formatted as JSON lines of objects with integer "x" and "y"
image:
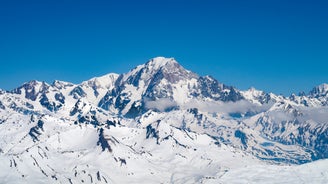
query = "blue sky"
{"x": 279, "y": 46}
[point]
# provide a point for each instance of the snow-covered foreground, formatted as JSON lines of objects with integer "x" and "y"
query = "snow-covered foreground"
{"x": 69, "y": 153}
{"x": 315, "y": 172}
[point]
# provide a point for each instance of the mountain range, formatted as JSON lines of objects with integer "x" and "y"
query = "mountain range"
{"x": 161, "y": 123}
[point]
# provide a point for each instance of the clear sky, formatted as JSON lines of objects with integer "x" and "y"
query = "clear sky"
{"x": 278, "y": 46}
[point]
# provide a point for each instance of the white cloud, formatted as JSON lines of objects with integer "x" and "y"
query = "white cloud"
{"x": 160, "y": 104}
{"x": 317, "y": 114}
{"x": 241, "y": 106}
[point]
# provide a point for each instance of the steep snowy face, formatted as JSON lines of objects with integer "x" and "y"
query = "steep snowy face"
{"x": 256, "y": 96}
{"x": 165, "y": 79}
{"x": 103, "y": 82}
{"x": 208, "y": 87}
{"x": 158, "y": 78}
{"x": 320, "y": 93}
{"x": 317, "y": 97}
{"x": 31, "y": 90}
{"x": 321, "y": 90}
{"x": 96, "y": 88}
{"x": 61, "y": 84}
{"x": 58, "y": 97}
{"x": 156, "y": 70}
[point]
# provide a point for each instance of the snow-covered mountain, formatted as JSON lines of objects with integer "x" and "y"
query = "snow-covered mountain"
{"x": 159, "y": 123}
{"x": 165, "y": 80}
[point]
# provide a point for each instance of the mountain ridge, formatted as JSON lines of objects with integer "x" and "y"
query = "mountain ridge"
{"x": 158, "y": 63}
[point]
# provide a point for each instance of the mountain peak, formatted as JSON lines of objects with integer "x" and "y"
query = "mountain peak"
{"x": 106, "y": 81}
{"x": 61, "y": 84}
{"x": 34, "y": 84}
{"x": 158, "y": 62}
{"x": 157, "y": 69}
{"x": 323, "y": 87}
{"x": 320, "y": 90}
{"x": 32, "y": 89}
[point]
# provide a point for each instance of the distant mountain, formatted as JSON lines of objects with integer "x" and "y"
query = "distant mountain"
{"x": 163, "y": 78}
{"x": 319, "y": 91}
{"x": 157, "y": 123}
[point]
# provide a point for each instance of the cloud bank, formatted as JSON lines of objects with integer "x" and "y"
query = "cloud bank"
{"x": 241, "y": 106}
{"x": 160, "y": 104}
